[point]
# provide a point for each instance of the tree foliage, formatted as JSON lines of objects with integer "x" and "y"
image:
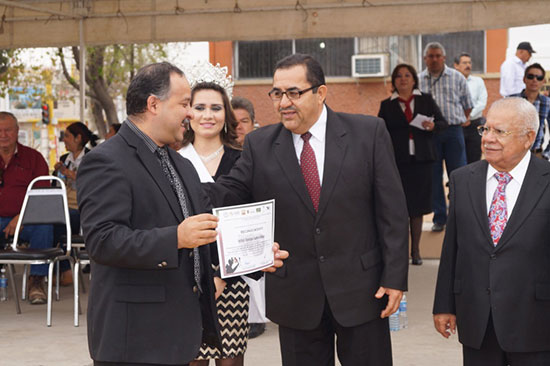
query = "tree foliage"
{"x": 108, "y": 72}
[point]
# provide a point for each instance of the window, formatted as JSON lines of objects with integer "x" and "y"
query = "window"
{"x": 257, "y": 59}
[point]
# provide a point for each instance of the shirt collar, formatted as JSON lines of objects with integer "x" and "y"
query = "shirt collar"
{"x": 319, "y": 128}
{"x": 148, "y": 141}
{"x": 517, "y": 60}
{"x": 75, "y": 162}
{"x": 395, "y": 95}
{"x": 519, "y": 171}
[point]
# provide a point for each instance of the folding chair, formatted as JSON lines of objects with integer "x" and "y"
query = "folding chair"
{"x": 42, "y": 205}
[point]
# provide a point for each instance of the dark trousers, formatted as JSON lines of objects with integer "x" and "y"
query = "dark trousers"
{"x": 491, "y": 354}
{"x": 472, "y": 140}
{"x": 449, "y": 146}
{"x": 367, "y": 344}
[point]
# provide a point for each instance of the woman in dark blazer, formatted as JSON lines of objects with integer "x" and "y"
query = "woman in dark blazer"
{"x": 413, "y": 146}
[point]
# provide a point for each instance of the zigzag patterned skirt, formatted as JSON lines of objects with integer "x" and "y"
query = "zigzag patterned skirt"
{"x": 232, "y": 308}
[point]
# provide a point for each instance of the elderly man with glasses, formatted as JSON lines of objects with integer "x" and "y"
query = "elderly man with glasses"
{"x": 534, "y": 81}
{"x": 340, "y": 213}
{"x": 494, "y": 280}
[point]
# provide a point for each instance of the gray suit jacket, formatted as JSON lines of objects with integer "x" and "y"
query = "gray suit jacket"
{"x": 510, "y": 281}
{"x": 142, "y": 307}
{"x": 356, "y": 242}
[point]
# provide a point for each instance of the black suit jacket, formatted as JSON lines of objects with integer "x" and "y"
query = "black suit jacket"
{"x": 510, "y": 281}
{"x": 142, "y": 308}
{"x": 399, "y": 128}
{"x": 356, "y": 242}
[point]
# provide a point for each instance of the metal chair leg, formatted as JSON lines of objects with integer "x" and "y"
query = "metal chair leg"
{"x": 76, "y": 294}
{"x": 57, "y": 265}
{"x": 50, "y": 280}
{"x": 11, "y": 273}
{"x": 24, "y": 282}
{"x": 82, "y": 284}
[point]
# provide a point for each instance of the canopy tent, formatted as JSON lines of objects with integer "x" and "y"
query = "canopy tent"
{"x": 39, "y": 23}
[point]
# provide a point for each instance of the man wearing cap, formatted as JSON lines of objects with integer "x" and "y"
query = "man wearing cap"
{"x": 512, "y": 70}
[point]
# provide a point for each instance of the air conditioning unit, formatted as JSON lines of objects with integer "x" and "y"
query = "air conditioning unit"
{"x": 372, "y": 65}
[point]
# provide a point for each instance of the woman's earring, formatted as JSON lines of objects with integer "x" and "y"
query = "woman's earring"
{"x": 225, "y": 127}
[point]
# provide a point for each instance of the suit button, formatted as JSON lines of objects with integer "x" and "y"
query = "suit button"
{"x": 488, "y": 290}
{"x": 322, "y": 258}
{"x": 195, "y": 289}
{"x": 493, "y": 256}
{"x": 317, "y": 231}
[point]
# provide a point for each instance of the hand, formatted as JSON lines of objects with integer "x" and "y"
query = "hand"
{"x": 197, "y": 230}
{"x": 428, "y": 125}
{"x": 59, "y": 166}
{"x": 467, "y": 123}
{"x": 445, "y": 324}
{"x": 394, "y": 298}
{"x": 9, "y": 230}
{"x": 220, "y": 286}
{"x": 280, "y": 255}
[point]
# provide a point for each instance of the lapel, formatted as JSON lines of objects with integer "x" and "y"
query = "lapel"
{"x": 400, "y": 113}
{"x": 187, "y": 177}
{"x": 534, "y": 184}
{"x": 151, "y": 164}
{"x": 285, "y": 154}
{"x": 477, "y": 190}
{"x": 335, "y": 150}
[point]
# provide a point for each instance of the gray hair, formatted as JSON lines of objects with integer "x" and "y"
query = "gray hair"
{"x": 525, "y": 111}
{"x": 434, "y": 45}
{"x": 243, "y": 103}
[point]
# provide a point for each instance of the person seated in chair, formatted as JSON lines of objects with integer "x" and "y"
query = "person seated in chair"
{"x": 19, "y": 165}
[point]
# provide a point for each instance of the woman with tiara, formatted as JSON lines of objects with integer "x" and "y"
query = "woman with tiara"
{"x": 210, "y": 144}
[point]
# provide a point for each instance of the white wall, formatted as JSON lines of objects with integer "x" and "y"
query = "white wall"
{"x": 538, "y": 35}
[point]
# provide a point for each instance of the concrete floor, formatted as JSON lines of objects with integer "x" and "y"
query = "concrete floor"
{"x": 26, "y": 341}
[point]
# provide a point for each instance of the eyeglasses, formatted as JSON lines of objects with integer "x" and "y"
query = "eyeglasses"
{"x": 533, "y": 76}
{"x": 292, "y": 94}
{"x": 482, "y": 130}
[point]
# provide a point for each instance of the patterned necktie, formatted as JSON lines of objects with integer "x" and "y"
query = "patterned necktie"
{"x": 176, "y": 185}
{"x": 408, "y": 111}
{"x": 310, "y": 172}
{"x": 498, "y": 214}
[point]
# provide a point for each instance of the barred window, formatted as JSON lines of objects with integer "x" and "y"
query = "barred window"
{"x": 257, "y": 59}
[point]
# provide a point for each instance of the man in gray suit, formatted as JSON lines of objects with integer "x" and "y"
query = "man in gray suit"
{"x": 494, "y": 277}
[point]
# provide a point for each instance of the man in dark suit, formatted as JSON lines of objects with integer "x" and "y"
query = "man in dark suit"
{"x": 340, "y": 213}
{"x": 143, "y": 219}
{"x": 494, "y": 276}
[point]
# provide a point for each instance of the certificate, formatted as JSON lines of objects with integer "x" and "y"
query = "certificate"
{"x": 417, "y": 121}
{"x": 245, "y": 237}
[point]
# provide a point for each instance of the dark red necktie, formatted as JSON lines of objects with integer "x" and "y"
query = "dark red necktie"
{"x": 408, "y": 111}
{"x": 310, "y": 172}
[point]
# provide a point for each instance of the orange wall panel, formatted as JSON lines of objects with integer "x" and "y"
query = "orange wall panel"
{"x": 497, "y": 41}
{"x": 222, "y": 53}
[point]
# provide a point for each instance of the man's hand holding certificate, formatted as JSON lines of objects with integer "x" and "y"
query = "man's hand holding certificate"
{"x": 245, "y": 239}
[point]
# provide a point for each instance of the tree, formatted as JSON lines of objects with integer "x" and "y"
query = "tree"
{"x": 108, "y": 72}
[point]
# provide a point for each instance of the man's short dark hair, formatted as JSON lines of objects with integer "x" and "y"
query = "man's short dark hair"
{"x": 153, "y": 79}
{"x": 314, "y": 72}
{"x": 243, "y": 103}
{"x": 534, "y": 66}
{"x": 463, "y": 54}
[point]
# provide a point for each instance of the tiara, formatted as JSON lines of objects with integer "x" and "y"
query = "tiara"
{"x": 205, "y": 72}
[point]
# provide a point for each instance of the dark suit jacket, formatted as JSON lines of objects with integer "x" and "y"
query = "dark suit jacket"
{"x": 355, "y": 243}
{"x": 399, "y": 128}
{"x": 512, "y": 280}
{"x": 142, "y": 307}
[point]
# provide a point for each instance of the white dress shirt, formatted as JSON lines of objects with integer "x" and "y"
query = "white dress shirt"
{"x": 478, "y": 92}
{"x": 512, "y": 188}
{"x": 317, "y": 141}
{"x": 511, "y": 76}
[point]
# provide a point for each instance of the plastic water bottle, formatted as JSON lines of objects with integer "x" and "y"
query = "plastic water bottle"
{"x": 3, "y": 285}
{"x": 394, "y": 321}
{"x": 403, "y": 319}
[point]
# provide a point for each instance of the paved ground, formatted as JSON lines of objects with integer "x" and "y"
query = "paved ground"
{"x": 26, "y": 341}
